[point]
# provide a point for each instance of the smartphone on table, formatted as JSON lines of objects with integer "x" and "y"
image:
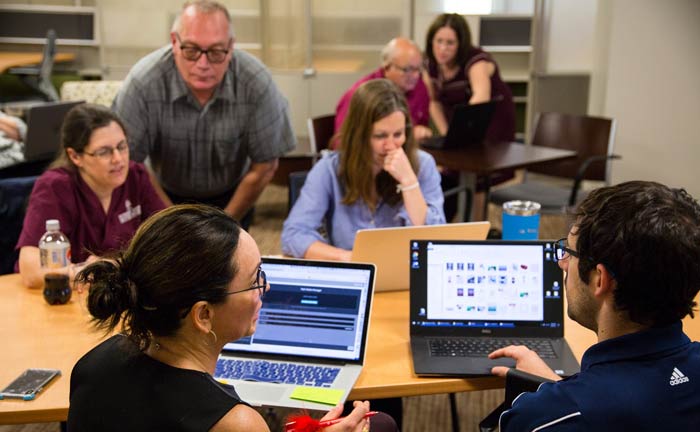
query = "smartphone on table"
{"x": 29, "y": 383}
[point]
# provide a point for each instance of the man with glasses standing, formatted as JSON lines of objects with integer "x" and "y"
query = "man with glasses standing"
{"x": 401, "y": 64}
{"x": 209, "y": 118}
{"x": 632, "y": 263}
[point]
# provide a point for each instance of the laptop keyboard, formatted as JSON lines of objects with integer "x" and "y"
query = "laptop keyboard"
{"x": 276, "y": 372}
{"x": 481, "y": 347}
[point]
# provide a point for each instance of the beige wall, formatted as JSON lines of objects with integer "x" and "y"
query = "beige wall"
{"x": 568, "y": 36}
{"x": 651, "y": 85}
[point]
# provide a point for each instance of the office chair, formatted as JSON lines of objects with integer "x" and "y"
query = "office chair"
{"x": 517, "y": 382}
{"x": 14, "y": 194}
{"x": 95, "y": 92}
{"x": 39, "y": 77}
{"x": 296, "y": 182}
{"x": 592, "y": 138}
{"x": 452, "y": 188}
{"x": 320, "y": 133}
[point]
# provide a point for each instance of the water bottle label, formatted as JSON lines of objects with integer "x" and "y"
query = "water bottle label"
{"x": 517, "y": 227}
{"x": 54, "y": 258}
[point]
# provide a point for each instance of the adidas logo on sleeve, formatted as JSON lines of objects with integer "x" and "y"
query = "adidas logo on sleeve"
{"x": 677, "y": 377}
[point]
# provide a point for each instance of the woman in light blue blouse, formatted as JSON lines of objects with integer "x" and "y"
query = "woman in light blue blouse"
{"x": 378, "y": 178}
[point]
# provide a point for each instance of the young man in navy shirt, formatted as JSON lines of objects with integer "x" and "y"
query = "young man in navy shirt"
{"x": 632, "y": 263}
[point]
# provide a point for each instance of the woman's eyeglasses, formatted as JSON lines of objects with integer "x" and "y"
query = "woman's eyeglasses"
{"x": 258, "y": 285}
{"x": 105, "y": 153}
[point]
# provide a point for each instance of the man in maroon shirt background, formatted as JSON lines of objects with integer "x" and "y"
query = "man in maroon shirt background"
{"x": 402, "y": 64}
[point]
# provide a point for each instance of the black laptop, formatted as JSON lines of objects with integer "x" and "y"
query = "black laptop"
{"x": 467, "y": 127}
{"x": 469, "y": 298}
{"x": 44, "y": 129}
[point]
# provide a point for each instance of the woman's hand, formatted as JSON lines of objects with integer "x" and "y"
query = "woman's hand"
{"x": 354, "y": 422}
{"x": 396, "y": 163}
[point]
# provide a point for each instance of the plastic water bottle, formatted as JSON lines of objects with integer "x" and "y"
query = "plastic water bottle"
{"x": 54, "y": 247}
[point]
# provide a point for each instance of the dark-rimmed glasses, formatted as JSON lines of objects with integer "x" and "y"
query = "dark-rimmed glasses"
{"x": 562, "y": 252}
{"x": 106, "y": 153}
{"x": 258, "y": 285}
{"x": 193, "y": 52}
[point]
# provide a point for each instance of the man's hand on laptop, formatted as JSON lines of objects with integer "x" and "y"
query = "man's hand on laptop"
{"x": 526, "y": 360}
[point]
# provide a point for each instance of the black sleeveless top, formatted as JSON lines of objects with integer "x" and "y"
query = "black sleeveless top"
{"x": 116, "y": 387}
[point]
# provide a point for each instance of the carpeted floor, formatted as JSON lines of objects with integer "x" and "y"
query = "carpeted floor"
{"x": 421, "y": 413}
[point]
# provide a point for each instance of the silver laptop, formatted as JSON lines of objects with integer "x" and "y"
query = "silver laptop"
{"x": 469, "y": 298}
{"x": 44, "y": 129}
{"x": 311, "y": 335}
{"x": 386, "y": 248}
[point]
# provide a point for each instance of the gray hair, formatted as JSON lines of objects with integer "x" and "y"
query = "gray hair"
{"x": 389, "y": 51}
{"x": 204, "y": 7}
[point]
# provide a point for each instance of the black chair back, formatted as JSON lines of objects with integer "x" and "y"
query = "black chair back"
{"x": 14, "y": 196}
{"x": 296, "y": 182}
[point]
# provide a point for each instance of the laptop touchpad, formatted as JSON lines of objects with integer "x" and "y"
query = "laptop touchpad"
{"x": 254, "y": 393}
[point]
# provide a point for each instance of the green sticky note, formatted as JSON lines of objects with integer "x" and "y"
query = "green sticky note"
{"x": 326, "y": 396}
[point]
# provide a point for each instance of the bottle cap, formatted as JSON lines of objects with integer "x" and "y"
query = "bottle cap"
{"x": 52, "y": 225}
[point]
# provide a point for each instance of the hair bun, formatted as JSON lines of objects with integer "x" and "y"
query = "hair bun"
{"x": 111, "y": 291}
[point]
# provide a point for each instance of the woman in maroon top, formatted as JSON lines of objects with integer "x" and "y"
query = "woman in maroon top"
{"x": 459, "y": 73}
{"x": 98, "y": 196}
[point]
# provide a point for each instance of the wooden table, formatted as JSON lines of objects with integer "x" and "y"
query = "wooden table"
{"x": 9, "y": 59}
{"x": 491, "y": 157}
{"x": 35, "y": 334}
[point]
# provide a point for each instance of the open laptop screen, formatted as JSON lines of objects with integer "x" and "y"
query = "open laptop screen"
{"x": 313, "y": 309}
{"x": 486, "y": 285}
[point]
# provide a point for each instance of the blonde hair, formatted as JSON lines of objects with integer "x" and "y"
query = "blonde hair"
{"x": 371, "y": 102}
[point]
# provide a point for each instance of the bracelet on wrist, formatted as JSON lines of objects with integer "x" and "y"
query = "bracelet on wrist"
{"x": 400, "y": 188}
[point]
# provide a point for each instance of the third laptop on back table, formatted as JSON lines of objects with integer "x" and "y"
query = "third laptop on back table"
{"x": 469, "y": 298}
{"x": 44, "y": 129}
{"x": 467, "y": 127}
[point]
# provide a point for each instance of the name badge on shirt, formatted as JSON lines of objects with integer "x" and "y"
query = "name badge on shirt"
{"x": 130, "y": 213}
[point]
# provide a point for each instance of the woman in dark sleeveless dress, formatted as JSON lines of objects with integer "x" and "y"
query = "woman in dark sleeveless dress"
{"x": 460, "y": 73}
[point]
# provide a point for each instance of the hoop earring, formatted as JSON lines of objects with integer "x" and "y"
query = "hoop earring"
{"x": 212, "y": 332}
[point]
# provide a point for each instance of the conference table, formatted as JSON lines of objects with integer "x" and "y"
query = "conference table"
{"x": 10, "y": 59}
{"x": 36, "y": 335}
{"x": 489, "y": 158}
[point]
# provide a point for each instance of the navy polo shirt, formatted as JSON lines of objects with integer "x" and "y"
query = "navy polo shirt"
{"x": 645, "y": 381}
